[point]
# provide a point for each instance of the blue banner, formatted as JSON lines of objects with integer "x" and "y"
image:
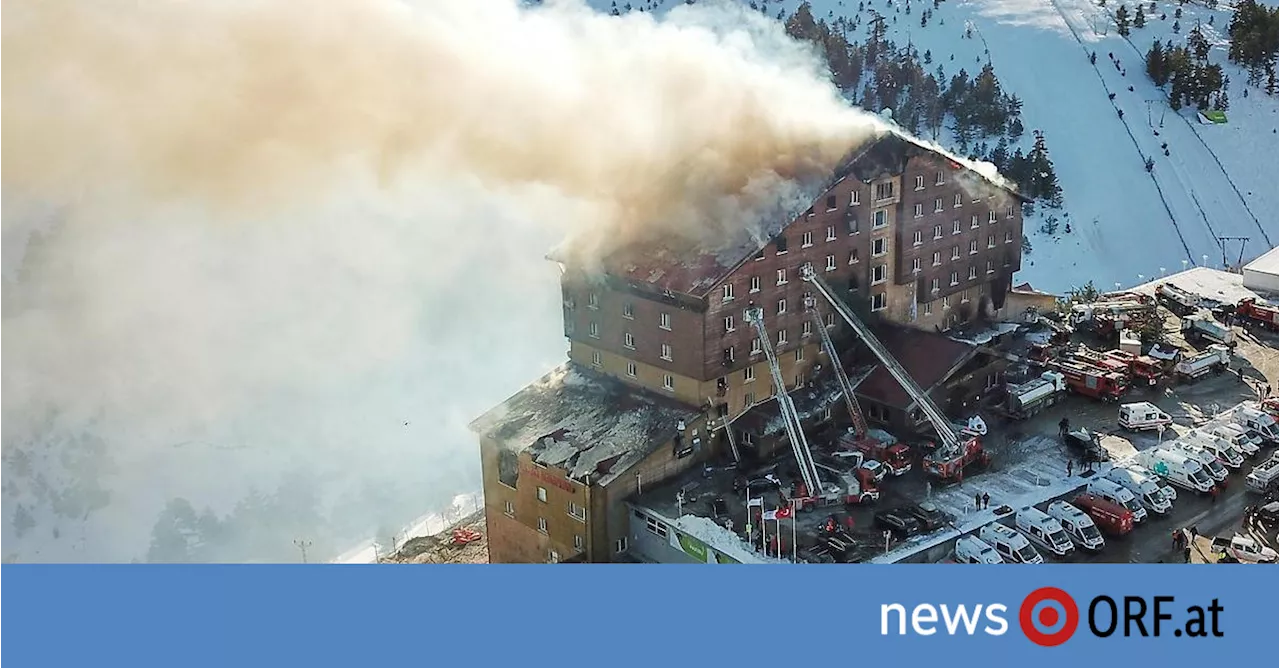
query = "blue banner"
{"x": 636, "y": 615}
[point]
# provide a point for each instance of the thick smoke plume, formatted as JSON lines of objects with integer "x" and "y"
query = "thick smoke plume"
{"x": 250, "y": 238}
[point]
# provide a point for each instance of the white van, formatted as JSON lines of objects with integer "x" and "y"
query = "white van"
{"x": 1012, "y": 546}
{"x": 1209, "y": 460}
{"x": 1142, "y": 415}
{"x": 1225, "y": 452}
{"x": 1236, "y": 435}
{"x": 1257, "y": 422}
{"x": 1078, "y": 525}
{"x": 971, "y": 550}
{"x": 1176, "y": 468}
{"x": 1043, "y": 531}
{"x": 1143, "y": 487}
{"x": 1113, "y": 492}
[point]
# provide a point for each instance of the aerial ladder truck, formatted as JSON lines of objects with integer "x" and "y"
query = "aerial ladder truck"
{"x": 958, "y": 447}
{"x": 856, "y": 487}
{"x": 877, "y": 445}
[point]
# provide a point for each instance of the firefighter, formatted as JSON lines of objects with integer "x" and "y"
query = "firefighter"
{"x": 986, "y": 500}
{"x": 1064, "y": 426}
{"x": 977, "y": 501}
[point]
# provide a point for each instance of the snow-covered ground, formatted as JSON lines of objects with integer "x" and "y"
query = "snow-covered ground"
{"x": 1218, "y": 180}
{"x": 430, "y": 524}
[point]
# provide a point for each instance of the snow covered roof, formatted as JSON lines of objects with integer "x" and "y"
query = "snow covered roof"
{"x": 586, "y": 423}
{"x": 1207, "y": 283}
{"x": 720, "y": 538}
{"x": 1267, "y": 263}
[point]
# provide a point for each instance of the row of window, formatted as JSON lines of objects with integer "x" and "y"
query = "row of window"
{"x": 628, "y": 310}
{"x": 955, "y": 251}
{"x": 956, "y": 203}
{"x": 917, "y": 237}
{"x": 946, "y": 301}
{"x": 572, "y": 509}
{"x": 633, "y": 371}
{"x": 939, "y": 179}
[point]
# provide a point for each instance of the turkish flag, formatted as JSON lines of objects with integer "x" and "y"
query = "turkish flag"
{"x": 782, "y": 513}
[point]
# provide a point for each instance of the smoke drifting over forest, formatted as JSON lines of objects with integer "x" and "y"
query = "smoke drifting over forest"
{"x": 268, "y": 260}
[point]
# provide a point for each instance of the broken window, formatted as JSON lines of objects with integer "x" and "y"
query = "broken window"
{"x": 509, "y": 508}
{"x": 852, "y": 222}
{"x": 809, "y": 212}
{"x": 831, "y": 202}
{"x": 884, "y": 190}
{"x": 831, "y": 320}
{"x": 760, "y": 254}
{"x": 853, "y": 256}
{"x": 991, "y": 267}
{"x": 1008, "y": 237}
{"x": 508, "y": 467}
{"x": 542, "y": 494}
{"x": 781, "y": 244}
{"x": 1008, "y": 213}
{"x": 728, "y": 358}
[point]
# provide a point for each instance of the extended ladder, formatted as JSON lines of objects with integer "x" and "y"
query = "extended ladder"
{"x": 808, "y": 469}
{"x": 946, "y": 431}
{"x": 727, "y": 426}
{"x": 850, "y": 401}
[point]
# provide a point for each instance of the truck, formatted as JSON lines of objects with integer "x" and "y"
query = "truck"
{"x": 1026, "y": 399}
{"x": 1175, "y": 468}
{"x": 1206, "y": 458}
{"x": 948, "y": 463}
{"x": 855, "y": 459}
{"x": 1256, "y": 422}
{"x": 1204, "y": 327}
{"x": 1253, "y": 313}
{"x": 851, "y": 488}
{"x": 1112, "y": 518}
{"x": 881, "y": 446}
{"x": 1263, "y": 476}
{"x": 1106, "y": 386}
{"x": 1088, "y": 357}
{"x": 1215, "y": 359}
{"x": 1143, "y": 487}
{"x": 1225, "y": 452}
{"x": 1143, "y": 369}
{"x": 1180, "y": 302}
{"x": 1242, "y": 549}
{"x": 1142, "y": 416}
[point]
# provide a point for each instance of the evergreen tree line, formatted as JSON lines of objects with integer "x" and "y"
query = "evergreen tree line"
{"x": 1192, "y": 79}
{"x": 1254, "y": 37}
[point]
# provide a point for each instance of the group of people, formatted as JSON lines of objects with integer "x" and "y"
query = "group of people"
{"x": 981, "y": 501}
{"x": 1182, "y": 542}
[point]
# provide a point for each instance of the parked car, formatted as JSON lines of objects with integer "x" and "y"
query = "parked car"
{"x": 899, "y": 522}
{"x": 1088, "y": 444}
{"x": 929, "y": 517}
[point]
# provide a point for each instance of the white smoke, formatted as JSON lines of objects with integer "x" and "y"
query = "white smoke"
{"x": 247, "y": 241}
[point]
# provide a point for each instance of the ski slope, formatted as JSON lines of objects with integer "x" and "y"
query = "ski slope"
{"x": 1128, "y": 225}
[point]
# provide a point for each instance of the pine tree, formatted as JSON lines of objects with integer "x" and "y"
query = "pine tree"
{"x": 1271, "y": 78}
{"x": 1157, "y": 69}
{"x": 1198, "y": 44}
{"x": 1000, "y": 154}
{"x": 1122, "y": 21}
{"x": 1015, "y": 129}
{"x": 1177, "y": 27}
{"x": 1139, "y": 18}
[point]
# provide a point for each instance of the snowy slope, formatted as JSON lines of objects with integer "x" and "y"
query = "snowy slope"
{"x": 1127, "y": 224}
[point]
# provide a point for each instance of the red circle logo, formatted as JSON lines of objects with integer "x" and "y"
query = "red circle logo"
{"x": 1048, "y": 616}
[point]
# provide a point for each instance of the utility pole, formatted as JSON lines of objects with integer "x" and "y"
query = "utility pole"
{"x": 302, "y": 546}
{"x": 1222, "y": 241}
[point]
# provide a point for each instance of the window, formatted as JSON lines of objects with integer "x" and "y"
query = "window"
{"x": 593, "y": 300}
{"x": 973, "y": 222}
{"x": 955, "y": 227}
{"x": 759, "y": 254}
{"x": 755, "y": 347}
{"x": 946, "y": 302}
{"x": 855, "y": 198}
{"x": 955, "y": 278}
{"x": 806, "y": 328}
{"x": 782, "y": 306}
{"x": 877, "y": 274}
{"x": 748, "y": 400}
{"x": 831, "y": 263}
{"x": 664, "y": 321}
{"x": 977, "y": 198}
{"x": 782, "y": 337}
{"x": 917, "y": 238}
{"x": 578, "y": 542}
{"x": 781, "y": 244}
{"x": 728, "y": 355}
{"x": 748, "y": 374}
{"x": 973, "y": 246}
{"x": 628, "y": 310}
{"x": 799, "y": 381}
{"x": 1008, "y": 237}
{"x": 668, "y": 382}
{"x": 728, "y": 324}
{"x": 666, "y": 352}
{"x": 939, "y": 179}
{"x": 631, "y": 369}
{"x": 884, "y": 190}
{"x": 755, "y": 284}
{"x": 542, "y": 494}
{"x": 782, "y": 277}
{"x": 879, "y": 247}
{"x": 955, "y": 252}
{"x": 806, "y": 240}
{"x": 933, "y": 285}
{"x": 578, "y": 512}
{"x": 991, "y": 267}
{"x": 878, "y": 302}
{"x": 915, "y": 264}
{"x": 991, "y": 241}
{"x": 853, "y": 256}
{"x": 629, "y": 340}
{"x": 928, "y": 308}
{"x": 991, "y": 217}
{"x": 973, "y": 273}
{"x": 509, "y": 508}
{"x": 831, "y": 233}
{"x": 808, "y": 212}
{"x": 937, "y": 258}
{"x": 831, "y": 202}
{"x": 852, "y": 221}
{"x": 553, "y": 557}
{"x": 879, "y": 219}
{"x": 800, "y": 355}
{"x": 937, "y": 205}
{"x": 620, "y": 545}
{"x": 918, "y": 212}
{"x": 542, "y": 524}
{"x": 595, "y": 358}
{"x": 1008, "y": 213}
{"x": 957, "y": 201}
{"x": 726, "y": 292}
{"x": 919, "y": 183}
{"x": 593, "y": 329}
{"x": 655, "y": 527}
{"x": 831, "y": 320}
{"x": 937, "y": 231}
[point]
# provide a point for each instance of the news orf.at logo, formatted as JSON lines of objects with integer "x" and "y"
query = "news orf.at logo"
{"x": 1048, "y": 616}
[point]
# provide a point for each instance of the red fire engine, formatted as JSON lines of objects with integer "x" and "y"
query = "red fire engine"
{"x": 1092, "y": 382}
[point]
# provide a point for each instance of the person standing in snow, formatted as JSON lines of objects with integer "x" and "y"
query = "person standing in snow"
{"x": 986, "y": 500}
{"x": 977, "y": 501}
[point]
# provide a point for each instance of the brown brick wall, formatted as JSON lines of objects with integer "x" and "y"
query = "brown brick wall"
{"x": 644, "y": 324}
{"x": 514, "y": 534}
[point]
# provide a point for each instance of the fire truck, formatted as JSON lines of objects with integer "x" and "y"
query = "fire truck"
{"x": 1143, "y": 369}
{"x": 1256, "y": 314}
{"x": 1177, "y": 300}
{"x": 1091, "y": 358}
{"x": 1107, "y": 386}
